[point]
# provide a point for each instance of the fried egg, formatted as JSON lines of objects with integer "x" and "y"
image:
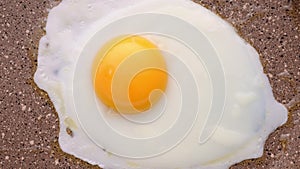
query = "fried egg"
{"x": 158, "y": 84}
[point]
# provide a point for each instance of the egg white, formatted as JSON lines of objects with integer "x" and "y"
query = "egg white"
{"x": 64, "y": 70}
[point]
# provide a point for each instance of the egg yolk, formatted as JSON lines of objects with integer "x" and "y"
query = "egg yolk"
{"x": 129, "y": 74}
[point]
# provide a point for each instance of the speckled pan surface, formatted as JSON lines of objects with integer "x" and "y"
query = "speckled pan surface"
{"x": 29, "y": 123}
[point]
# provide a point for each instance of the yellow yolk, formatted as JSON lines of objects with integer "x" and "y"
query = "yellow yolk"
{"x": 130, "y": 74}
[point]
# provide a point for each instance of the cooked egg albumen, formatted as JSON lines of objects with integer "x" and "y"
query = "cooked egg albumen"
{"x": 76, "y": 32}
